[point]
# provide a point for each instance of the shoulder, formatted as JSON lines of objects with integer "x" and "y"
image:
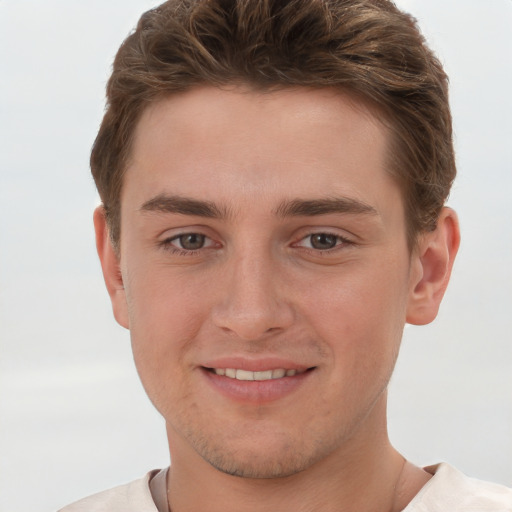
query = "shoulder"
{"x": 135, "y": 496}
{"x": 449, "y": 490}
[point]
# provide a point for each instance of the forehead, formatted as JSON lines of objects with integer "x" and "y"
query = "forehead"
{"x": 236, "y": 145}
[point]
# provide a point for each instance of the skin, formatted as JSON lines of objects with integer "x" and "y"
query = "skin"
{"x": 271, "y": 282}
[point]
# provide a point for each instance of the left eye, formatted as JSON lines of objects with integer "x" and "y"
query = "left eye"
{"x": 322, "y": 241}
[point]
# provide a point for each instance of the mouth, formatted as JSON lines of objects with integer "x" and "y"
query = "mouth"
{"x": 263, "y": 383}
{"x": 246, "y": 375}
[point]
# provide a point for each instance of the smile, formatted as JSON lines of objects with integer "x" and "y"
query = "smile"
{"x": 238, "y": 374}
{"x": 263, "y": 383}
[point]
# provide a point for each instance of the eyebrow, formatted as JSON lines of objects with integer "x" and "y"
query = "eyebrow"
{"x": 312, "y": 207}
{"x": 294, "y": 208}
{"x": 184, "y": 206}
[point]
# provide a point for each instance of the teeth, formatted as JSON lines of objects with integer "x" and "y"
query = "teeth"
{"x": 244, "y": 375}
{"x": 237, "y": 374}
{"x": 266, "y": 375}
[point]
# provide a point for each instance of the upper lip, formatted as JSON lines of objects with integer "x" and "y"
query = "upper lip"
{"x": 255, "y": 364}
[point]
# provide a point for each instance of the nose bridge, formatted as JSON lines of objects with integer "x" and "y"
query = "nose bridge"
{"x": 252, "y": 302}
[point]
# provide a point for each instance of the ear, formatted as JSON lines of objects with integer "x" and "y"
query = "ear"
{"x": 431, "y": 267}
{"x": 110, "y": 264}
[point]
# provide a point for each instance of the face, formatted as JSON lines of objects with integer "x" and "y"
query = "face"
{"x": 265, "y": 275}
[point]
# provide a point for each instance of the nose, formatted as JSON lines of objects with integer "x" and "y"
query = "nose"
{"x": 253, "y": 302}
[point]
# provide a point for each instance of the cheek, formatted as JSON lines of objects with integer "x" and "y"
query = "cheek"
{"x": 359, "y": 314}
{"x": 163, "y": 303}
{"x": 165, "y": 316}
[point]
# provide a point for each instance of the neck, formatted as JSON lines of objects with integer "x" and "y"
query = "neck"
{"x": 365, "y": 474}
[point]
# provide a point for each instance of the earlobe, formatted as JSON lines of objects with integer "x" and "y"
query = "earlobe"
{"x": 431, "y": 268}
{"x": 110, "y": 265}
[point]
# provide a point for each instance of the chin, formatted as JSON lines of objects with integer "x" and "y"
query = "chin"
{"x": 263, "y": 459}
{"x": 267, "y": 468}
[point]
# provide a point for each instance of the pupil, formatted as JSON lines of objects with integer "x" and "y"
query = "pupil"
{"x": 192, "y": 241}
{"x": 323, "y": 241}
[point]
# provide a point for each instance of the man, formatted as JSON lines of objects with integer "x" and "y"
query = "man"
{"x": 273, "y": 178}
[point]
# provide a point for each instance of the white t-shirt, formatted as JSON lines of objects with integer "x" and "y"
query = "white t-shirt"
{"x": 447, "y": 491}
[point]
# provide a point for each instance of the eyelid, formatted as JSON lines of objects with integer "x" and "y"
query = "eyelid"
{"x": 169, "y": 242}
{"x": 342, "y": 241}
{"x": 179, "y": 235}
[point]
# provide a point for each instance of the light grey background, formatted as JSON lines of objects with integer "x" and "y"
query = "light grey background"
{"x": 73, "y": 417}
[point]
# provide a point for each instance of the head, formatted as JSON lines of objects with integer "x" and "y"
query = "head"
{"x": 368, "y": 49}
{"x": 273, "y": 177}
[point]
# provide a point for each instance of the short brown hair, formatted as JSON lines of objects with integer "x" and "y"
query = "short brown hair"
{"x": 365, "y": 47}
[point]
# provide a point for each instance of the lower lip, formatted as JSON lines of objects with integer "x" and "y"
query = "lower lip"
{"x": 253, "y": 391}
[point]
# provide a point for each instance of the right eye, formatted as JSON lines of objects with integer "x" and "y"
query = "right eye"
{"x": 185, "y": 243}
{"x": 323, "y": 241}
{"x": 190, "y": 241}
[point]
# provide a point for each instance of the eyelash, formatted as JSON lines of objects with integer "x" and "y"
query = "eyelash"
{"x": 341, "y": 242}
{"x": 167, "y": 244}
